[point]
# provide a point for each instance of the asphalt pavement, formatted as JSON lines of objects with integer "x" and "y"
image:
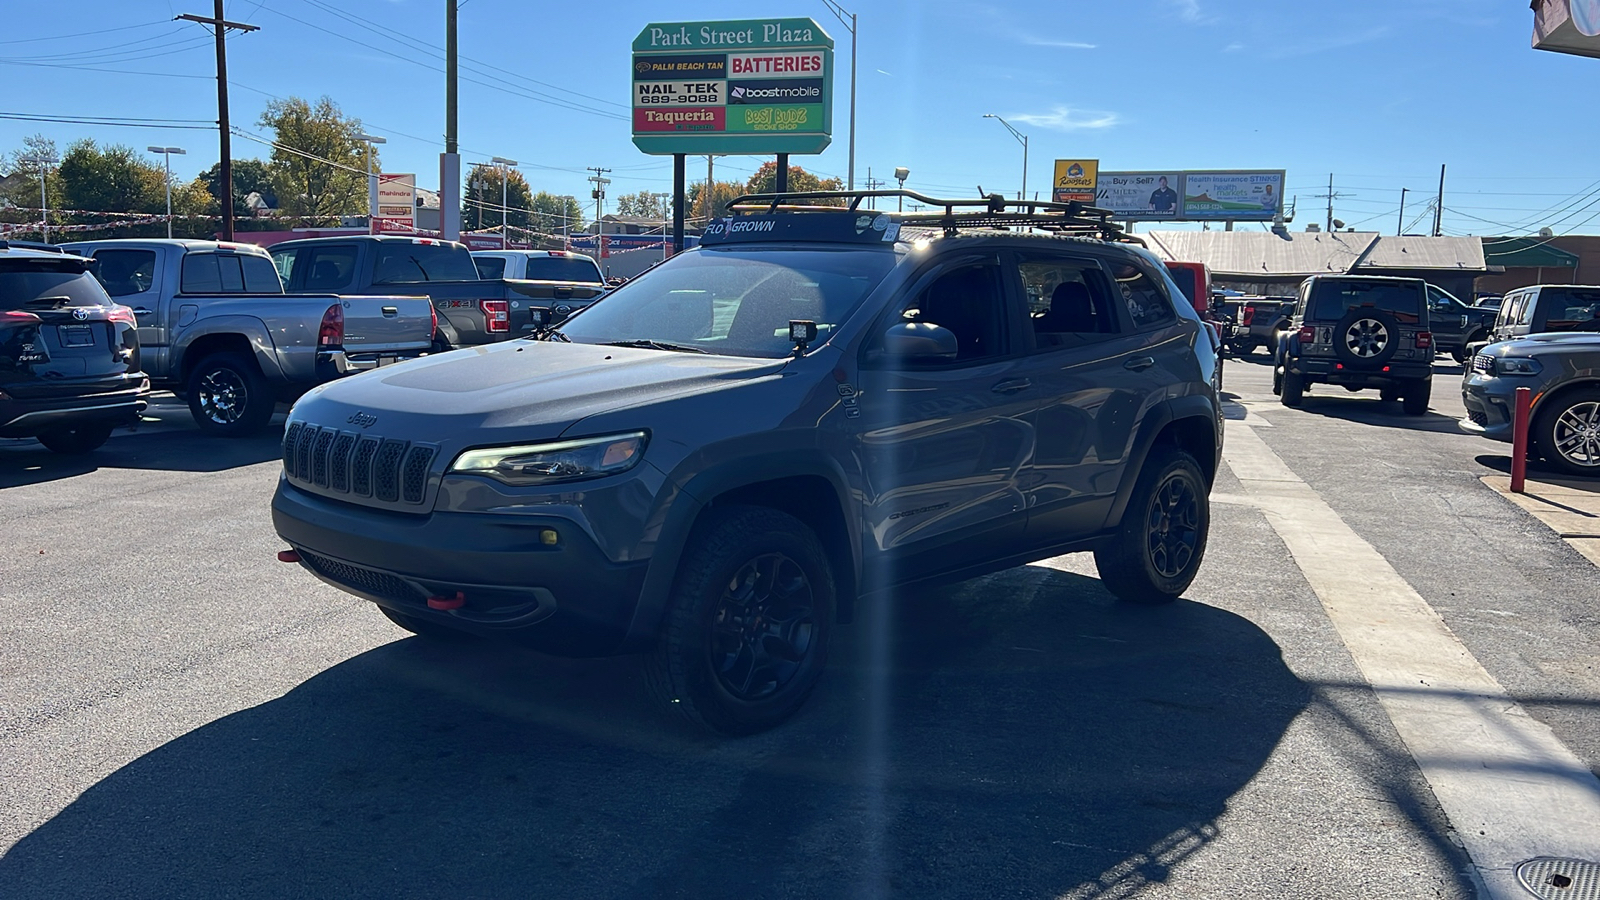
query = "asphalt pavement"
{"x": 183, "y": 716}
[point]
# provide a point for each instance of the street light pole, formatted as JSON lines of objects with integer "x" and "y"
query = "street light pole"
{"x": 43, "y": 162}
{"x": 1023, "y": 140}
{"x": 505, "y": 209}
{"x": 372, "y": 180}
{"x": 839, "y": 12}
{"x": 166, "y": 154}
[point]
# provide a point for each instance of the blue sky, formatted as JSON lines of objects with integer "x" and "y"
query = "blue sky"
{"x": 1378, "y": 92}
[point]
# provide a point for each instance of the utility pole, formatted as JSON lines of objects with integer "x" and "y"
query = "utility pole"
{"x": 1331, "y": 195}
{"x": 1438, "y": 207}
{"x": 600, "y": 181}
{"x": 44, "y": 163}
{"x": 450, "y": 160}
{"x": 224, "y": 130}
{"x": 372, "y": 141}
{"x": 505, "y": 207}
{"x": 1400, "y": 225}
{"x": 872, "y": 183}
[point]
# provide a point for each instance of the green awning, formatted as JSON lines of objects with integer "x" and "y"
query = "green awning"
{"x": 1526, "y": 253}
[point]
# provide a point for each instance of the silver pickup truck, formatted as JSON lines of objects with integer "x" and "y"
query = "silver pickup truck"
{"x": 216, "y": 328}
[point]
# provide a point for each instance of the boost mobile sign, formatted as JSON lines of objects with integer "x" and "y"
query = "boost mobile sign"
{"x": 759, "y": 86}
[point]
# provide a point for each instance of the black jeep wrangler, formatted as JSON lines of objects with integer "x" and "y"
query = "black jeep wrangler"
{"x": 727, "y": 456}
{"x": 1358, "y": 331}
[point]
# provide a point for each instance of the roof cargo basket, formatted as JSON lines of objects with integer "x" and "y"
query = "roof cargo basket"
{"x": 952, "y": 216}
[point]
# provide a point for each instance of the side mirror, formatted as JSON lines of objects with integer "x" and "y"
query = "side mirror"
{"x": 920, "y": 342}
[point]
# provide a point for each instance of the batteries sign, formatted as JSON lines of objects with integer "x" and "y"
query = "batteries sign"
{"x": 745, "y": 87}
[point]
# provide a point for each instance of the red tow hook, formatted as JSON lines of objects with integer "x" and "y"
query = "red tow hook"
{"x": 289, "y": 556}
{"x": 456, "y": 602}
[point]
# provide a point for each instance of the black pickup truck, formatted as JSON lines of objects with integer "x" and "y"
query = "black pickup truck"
{"x": 471, "y": 310}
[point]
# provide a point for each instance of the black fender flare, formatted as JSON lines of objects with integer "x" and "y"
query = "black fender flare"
{"x": 700, "y": 492}
{"x": 1190, "y": 407}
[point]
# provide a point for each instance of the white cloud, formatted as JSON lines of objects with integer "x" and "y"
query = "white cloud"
{"x": 1234, "y": 47}
{"x": 1065, "y": 45}
{"x": 1064, "y": 118}
{"x": 1331, "y": 42}
{"x": 1191, "y": 12}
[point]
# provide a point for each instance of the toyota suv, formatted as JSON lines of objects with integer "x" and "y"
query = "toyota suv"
{"x": 721, "y": 462}
{"x": 1358, "y": 332}
{"x": 69, "y": 355}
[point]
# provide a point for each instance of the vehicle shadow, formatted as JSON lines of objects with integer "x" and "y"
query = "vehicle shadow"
{"x": 171, "y": 444}
{"x": 1546, "y": 472}
{"x": 1367, "y": 409}
{"x": 1018, "y": 735}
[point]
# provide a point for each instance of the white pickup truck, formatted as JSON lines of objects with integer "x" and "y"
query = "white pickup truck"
{"x": 538, "y": 265}
{"x": 216, "y": 327}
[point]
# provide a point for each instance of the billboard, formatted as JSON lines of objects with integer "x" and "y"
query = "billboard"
{"x": 744, "y": 87}
{"x": 1075, "y": 180}
{"x": 397, "y": 205}
{"x": 1244, "y": 196}
{"x": 1140, "y": 195}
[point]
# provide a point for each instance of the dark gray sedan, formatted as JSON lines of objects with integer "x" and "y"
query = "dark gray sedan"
{"x": 1563, "y": 372}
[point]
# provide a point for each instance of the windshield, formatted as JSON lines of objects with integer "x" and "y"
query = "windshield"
{"x": 737, "y": 302}
{"x": 563, "y": 268}
{"x": 1332, "y": 298}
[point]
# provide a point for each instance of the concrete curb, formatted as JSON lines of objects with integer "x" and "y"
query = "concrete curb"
{"x": 1569, "y": 507}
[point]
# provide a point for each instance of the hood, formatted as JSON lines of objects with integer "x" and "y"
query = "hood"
{"x": 532, "y": 389}
{"x": 1548, "y": 342}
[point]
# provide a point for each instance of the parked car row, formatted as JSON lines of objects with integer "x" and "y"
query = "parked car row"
{"x": 236, "y": 330}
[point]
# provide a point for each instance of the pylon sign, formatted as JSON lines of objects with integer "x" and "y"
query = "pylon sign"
{"x": 746, "y": 87}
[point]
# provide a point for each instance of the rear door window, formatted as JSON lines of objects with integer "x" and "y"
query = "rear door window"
{"x": 222, "y": 273}
{"x": 490, "y": 266}
{"x": 1570, "y": 309}
{"x": 329, "y": 268}
{"x": 1069, "y": 300}
{"x": 126, "y": 272}
{"x": 1335, "y": 298}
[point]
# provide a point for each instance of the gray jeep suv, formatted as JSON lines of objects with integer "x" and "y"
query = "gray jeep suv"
{"x": 1358, "y": 332}
{"x": 724, "y": 458}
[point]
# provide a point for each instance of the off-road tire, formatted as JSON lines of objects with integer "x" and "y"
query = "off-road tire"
{"x": 424, "y": 628}
{"x": 1415, "y": 397}
{"x": 77, "y": 440}
{"x": 228, "y": 396}
{"x": 1292, "y": 390}
{"x": 1382, "y": 334}
{"x": 1277, "y": 381}
{"x": 1543, "y": 431}
{"x": 687, "y": 673}
{"x": 1158, "y": 549}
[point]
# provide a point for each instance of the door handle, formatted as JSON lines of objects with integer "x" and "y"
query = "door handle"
{"x": 141, "y": 311}
{"x": 1139, "y": 362}
{"x": 390, "y": 312}
{"x": 1012, "y": 385}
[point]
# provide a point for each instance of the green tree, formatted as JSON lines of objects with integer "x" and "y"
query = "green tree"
{"x": 328, "y": 175}
{"x": 115, "y": 178}
{"x": 480, "y": 200}
{"x": 553, "y": 212}
{"x": 248, "y": 175}
{"x": 644, "y": 203}
{"x": 765, "y": 181}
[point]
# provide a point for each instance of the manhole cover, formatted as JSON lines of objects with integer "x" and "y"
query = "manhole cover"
{"x": 1560, "y": 879}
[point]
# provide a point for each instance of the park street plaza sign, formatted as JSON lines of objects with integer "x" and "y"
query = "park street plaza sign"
{"x": 760, "y": 86}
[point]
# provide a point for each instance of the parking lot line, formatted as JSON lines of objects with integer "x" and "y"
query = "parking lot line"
{"x": 1511, "y": 790}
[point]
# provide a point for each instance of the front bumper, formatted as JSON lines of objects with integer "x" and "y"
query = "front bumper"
{"x": 1489, "y": 401}
{"x": 566, "y": 598}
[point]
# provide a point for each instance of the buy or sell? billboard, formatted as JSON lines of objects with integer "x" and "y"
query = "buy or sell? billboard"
{"x": 745, "y": 87}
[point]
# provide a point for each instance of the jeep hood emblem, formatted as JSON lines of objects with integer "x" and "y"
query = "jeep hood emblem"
{"x": 362, "y": 420}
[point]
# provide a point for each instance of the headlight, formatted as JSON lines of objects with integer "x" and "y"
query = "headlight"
{"x": 1516, "y": 365}
{"x": 531, "y": 464}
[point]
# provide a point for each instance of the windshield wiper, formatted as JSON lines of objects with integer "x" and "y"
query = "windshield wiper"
{"x": 655, "y": 345}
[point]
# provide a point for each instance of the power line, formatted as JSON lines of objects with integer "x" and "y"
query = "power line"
{"x": 65, "y": 120}
{"x": 83, "y": 34}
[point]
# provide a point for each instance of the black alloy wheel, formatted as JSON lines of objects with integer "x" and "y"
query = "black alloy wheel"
{"x": 229, "y": 397}
{"x": 763, "y": 627}
{"x": 1172, "y": 527}
{"x": 1159, "y": 546}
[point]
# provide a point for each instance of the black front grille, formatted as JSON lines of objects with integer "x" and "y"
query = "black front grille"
{"x": 1478, "y": 417}
{"x": 346, "y": 462}
{"x": 366, "y": 581}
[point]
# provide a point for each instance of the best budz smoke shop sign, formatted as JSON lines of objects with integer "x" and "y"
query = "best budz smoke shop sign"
{"x": 759, "y": 86}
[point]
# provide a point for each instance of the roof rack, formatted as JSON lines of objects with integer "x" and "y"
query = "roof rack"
{"x": 993, "y": 211}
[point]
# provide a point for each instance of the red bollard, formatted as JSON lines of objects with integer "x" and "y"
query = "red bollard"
{"x": 1519, "y": 439}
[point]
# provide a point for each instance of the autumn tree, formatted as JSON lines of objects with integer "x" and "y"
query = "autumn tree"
{"x": 765, "y": 181}
{"x": 721, "y": 192}
{"x": 480, "y": 204}
{"x": 318, "y": 166}
{"x": 555, "y": 212}
{"x": 644, "y": 204}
